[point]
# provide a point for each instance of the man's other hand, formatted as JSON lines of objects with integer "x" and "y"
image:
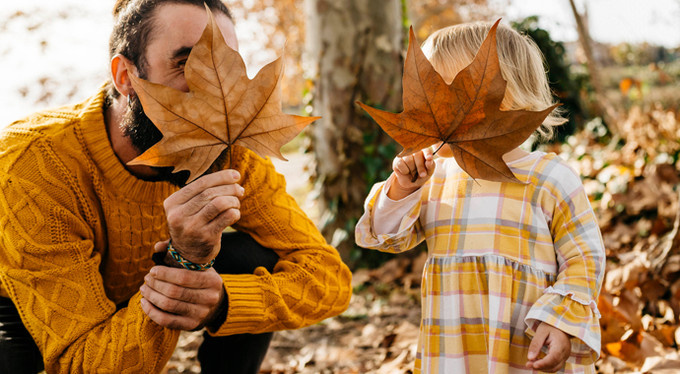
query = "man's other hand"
{"x": 182, "y": 299}
{"x": 198, "y": 213}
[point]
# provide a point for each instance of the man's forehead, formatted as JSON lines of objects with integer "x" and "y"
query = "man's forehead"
{"x": 178, "y": 26}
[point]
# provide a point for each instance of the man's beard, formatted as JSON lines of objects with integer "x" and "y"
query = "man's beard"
{"x": 143, "y": 134}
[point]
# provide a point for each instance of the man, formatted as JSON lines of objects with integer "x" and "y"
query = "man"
{"x": 79, "y": 228}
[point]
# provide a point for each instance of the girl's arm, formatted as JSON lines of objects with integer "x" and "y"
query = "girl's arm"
{"x": 570, "y": 304}
{"x": 388, "y": 213}
{"x": 391, "y": 211}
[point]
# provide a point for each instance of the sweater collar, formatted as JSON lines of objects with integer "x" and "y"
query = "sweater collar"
{"x": 93, "y": 129}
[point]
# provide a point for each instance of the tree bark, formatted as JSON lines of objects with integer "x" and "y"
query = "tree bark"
{"x": 354, "y": 47}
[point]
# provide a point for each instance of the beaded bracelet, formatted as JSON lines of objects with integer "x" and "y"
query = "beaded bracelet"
{"x": 186, "y": 263}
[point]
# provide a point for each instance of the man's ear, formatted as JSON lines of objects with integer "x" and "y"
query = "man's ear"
{"x": 120, "y": 68}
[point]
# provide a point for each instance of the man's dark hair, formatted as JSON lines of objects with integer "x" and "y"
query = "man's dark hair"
{"x": 133, "y": 22}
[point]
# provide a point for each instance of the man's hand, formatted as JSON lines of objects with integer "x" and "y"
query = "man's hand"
{"x": 198, "y": 213}
{"x": 559, "y": 349}
{"x": 405, "y": 168}
{"x": 180, "y": 298}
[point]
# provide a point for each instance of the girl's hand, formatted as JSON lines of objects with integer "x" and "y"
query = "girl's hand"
{"x": 420, "y": 164}
{"x": 559, "y": 349}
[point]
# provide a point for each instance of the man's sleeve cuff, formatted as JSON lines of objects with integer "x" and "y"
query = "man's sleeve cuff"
{"x": 246, "y": 310}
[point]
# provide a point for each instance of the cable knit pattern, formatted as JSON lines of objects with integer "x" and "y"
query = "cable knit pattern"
{"x": 77, "y": 238}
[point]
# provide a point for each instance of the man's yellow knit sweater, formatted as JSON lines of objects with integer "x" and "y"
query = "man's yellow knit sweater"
{"x": 76, "y": 237}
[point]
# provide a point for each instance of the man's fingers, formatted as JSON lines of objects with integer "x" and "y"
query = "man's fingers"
{"x": 224, "y": 220}
{"x": 207, "y": 196}
{"x": 165, "y": 303}
{"x": 181, "y": 298}
{"x": 223, "y": 177}
{"x": 217, "y": 206}
{"x": 173, "y": 306}
{"x": 168, "y": 320}
{"x": 187, "y": 278}
{"x": 185, "y": 294}
{"x": 161, "y": 246}
{"x": 537, "y": 342}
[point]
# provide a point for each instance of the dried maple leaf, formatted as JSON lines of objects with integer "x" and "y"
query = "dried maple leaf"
{"x": 465, "y": 115}
{"x": 223, "y": 108}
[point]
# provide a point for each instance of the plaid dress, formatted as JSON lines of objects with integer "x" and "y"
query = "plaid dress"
{"x": 502, "y": 258}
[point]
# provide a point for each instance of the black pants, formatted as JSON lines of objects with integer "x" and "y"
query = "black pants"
{"x": 243, "y": 353}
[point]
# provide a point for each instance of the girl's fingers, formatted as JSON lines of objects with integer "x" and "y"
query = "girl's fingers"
{"x": 419, "y": 160}
{"x": 409, "y": 169}
{"x": 410, "y": 163}
{"x": 548, "y": 363}
{"x": 537, "y": 343}
{"x": 400, "y": 166}
{"x": 429, "y": 164}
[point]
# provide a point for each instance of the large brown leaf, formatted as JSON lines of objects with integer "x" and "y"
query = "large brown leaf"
{"x": 222, "y": 109}
{"x": 465, "y": 115}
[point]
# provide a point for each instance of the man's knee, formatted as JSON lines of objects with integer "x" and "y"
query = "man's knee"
{"x": 238, "y": 354}
{"x": 241, "y": 254}
{"x": 18, "y": 351}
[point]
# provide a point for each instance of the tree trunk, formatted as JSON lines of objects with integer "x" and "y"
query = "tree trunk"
{"x": 601, "y": 104}
{"x": 355, "y": 53}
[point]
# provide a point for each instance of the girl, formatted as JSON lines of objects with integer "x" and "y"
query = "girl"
{"x": 514, "y": 270}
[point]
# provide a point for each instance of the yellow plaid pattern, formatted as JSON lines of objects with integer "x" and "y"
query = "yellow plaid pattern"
{"x": 502, "y": 258}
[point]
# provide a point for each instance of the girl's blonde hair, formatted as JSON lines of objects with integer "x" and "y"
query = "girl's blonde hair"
{"x": 452, "y": 48}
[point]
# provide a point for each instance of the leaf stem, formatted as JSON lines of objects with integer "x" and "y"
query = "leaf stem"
{"x": 438, "y": 148}
{"x": 415, "y": 172}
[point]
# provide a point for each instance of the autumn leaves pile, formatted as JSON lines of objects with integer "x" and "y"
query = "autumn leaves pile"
{"x": 224, "y": 108}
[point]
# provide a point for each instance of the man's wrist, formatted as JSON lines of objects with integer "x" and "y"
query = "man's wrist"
{"x": 165, "y": 259}
{"x": 187, "y": 264}
{"x": 172, "y": 258}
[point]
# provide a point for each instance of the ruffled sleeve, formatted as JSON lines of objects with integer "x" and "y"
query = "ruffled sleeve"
{"x": 408, "y": 235}
{"x": 570, "y": 303}
{"x": 576, "y": 317}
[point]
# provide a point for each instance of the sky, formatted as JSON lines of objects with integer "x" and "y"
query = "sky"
{"x": 611, "y": 21}
{"x": 60, "y": 46}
